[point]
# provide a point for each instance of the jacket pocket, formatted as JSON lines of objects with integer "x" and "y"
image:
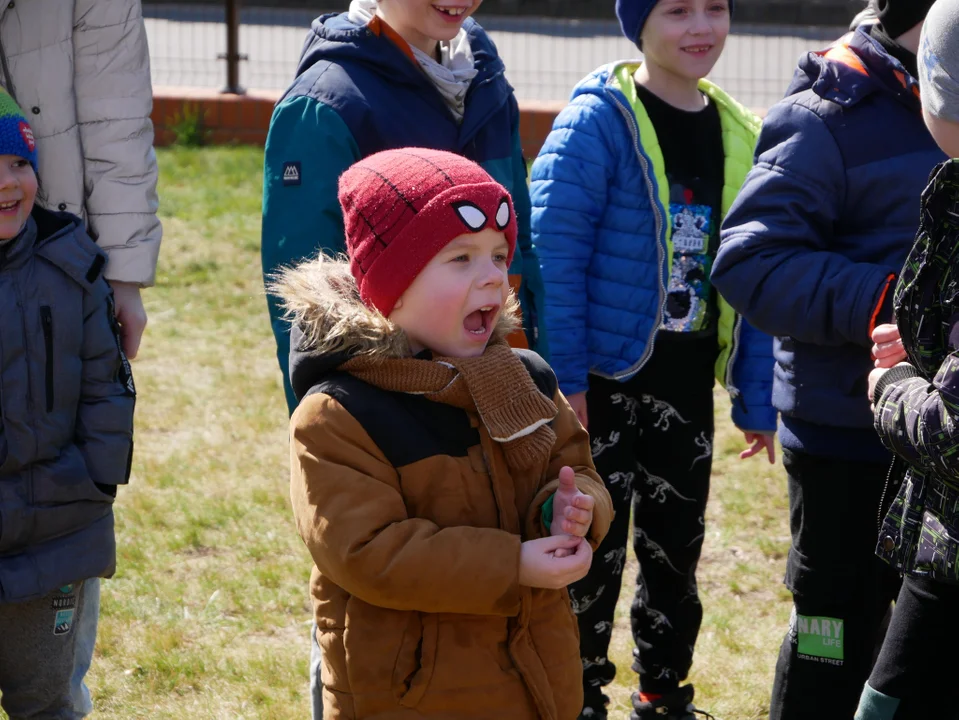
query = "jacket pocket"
{"x": 416, "y": 659}
{"x": 46, "y": 321}
{"x": 553, "y": 627}
{"x": 936, "y": 551}
{"x": 65, "y": 481}
{"x": 902, "y": 523}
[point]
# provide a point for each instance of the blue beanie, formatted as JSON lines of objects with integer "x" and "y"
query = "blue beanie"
{"x": 633, "y": 14}
{"x": 16, "y": 137}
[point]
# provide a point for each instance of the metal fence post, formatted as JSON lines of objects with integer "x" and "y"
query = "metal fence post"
{"x": 233, "y": 56}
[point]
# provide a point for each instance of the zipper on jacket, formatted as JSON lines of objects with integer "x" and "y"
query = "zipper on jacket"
{"x": 733, "y": 351}
{"x": 5, "y": 68}
{"x": 46, "y": 319}
{"x": 35, "y": 435}
{"x": 885, "y": 492}
{"x": 630, "y": 118}
{"x": 476, "y": 126}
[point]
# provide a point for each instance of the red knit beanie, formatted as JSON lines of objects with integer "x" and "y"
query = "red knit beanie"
{"x": 401, "y": 207}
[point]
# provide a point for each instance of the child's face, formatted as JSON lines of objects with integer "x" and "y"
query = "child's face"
{"x": 453, "y": 304}
{"x": 944, "y": 132}
{"x": 18, "y": 190}
{"x": 422, "y": 23}
{"x": 686, "y": 37}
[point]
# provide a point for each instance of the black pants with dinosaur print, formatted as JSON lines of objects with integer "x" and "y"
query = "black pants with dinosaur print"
{"x": 652, "y": 440}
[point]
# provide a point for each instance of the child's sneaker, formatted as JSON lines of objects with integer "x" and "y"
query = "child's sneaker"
{"x": 591, "y": 713}
{"x": 594, "y": 708}
{"x": 677, "y": 705}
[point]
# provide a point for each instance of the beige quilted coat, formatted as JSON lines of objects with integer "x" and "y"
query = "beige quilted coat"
{"x": 80, "y": 70}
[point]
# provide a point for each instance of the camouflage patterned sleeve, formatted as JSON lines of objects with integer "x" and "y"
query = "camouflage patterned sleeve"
{"x": 919, "y": 421}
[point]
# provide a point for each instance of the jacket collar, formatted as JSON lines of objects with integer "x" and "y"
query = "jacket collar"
{"x": 80, "y": 258}
{"x": 610, "y": 78}
{"x": 330, "y": 325}
{"x": 335, "y": 38}
{"x": 15, "y": 252}
{"x": 853, "y": 68}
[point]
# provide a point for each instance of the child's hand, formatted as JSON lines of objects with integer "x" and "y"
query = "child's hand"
{"x": 572, "y": 509}
{"x": 874, "y": 376}
{"x": 541, "y": 567}
{"x": 887, "y": 350}
{"x": 758, "y": 442}
{"x": 577, "y": 401}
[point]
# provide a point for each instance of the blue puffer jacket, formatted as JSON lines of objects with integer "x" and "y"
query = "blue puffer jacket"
{"x": 66, "y": 410}
{"x": 602, "y": 232}
{"x": 821, "y": 227}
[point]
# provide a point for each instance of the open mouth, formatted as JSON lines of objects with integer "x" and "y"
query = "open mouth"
{"x": 698, "y": 49}
{"x": 451, "y": 12}
{"x": 9, "y": 207}
{"x": 480, "y": 322}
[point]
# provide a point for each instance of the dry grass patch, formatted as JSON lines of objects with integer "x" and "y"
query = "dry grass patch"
{"x": 208, "y": 614}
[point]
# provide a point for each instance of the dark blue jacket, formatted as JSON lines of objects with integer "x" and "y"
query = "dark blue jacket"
{"x": 356, "y": 93}
{"x": 821, "y": 227}
{"x": 66, "y": 410}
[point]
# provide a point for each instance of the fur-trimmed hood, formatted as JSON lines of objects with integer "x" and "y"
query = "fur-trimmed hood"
{"x": 330, "y": 324}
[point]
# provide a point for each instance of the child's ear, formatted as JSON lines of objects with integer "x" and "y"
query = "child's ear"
{"x": 396, "y": 306}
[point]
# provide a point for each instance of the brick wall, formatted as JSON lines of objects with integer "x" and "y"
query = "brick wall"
{"x": 226, "y": 119}
{"x": 245, "y": 119}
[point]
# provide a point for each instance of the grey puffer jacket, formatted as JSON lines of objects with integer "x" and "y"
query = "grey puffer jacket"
{"x": 66, "y": 410}
{"x": 80, "y": 70}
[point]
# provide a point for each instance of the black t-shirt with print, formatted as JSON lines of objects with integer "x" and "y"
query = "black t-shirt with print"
{"x": 692, "y": 146}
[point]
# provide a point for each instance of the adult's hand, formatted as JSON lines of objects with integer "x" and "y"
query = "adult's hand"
{"x": 131, "y": 315}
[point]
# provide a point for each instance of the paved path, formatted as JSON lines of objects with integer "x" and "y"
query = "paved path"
{"x": 544, "y": 58}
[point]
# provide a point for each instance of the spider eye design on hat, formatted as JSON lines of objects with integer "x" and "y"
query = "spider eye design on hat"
{"x": 475, "y": 219}
{"x": 503, "y": 215}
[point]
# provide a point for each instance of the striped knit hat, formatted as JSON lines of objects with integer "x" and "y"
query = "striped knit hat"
{"x": 16, "y": 137}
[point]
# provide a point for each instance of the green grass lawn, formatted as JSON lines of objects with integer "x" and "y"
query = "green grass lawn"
{"x": 208, "y": 615}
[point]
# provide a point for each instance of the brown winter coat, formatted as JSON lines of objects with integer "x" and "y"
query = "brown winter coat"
{"x": 414, "y": 521}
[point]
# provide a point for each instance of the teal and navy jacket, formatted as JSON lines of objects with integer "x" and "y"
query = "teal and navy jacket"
{"x": 357, "y": 92}
{"x": 602, "y": 231}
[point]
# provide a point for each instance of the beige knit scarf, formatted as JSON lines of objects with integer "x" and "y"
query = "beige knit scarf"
{"x": 496, "y": 385}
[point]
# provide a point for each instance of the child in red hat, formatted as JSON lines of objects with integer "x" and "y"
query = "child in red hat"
{"x": 440, "y": 480}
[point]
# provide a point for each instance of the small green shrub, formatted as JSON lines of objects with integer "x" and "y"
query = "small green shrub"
{"x": 189, "y": 126}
